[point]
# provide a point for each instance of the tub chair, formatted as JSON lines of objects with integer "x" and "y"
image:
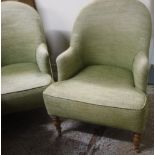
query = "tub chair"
{"x": 25, "y": 61}
{"x": 102, "y": 77}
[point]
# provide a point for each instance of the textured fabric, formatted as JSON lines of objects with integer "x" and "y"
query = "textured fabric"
{"x": 22, "y": 76}
{"x": 22, "y": 100}
{"x": 132, "y": 120}
{"x": 100, "y": 85}
{"x": 21, "y": 33}
{"x": 140, "y": 70}
{"x": 68, "y": 64}
{"x": 102, "y": 76}
{"x": 25, "y": 59}
{"x": 99, "y": 94}
{"x": 112, "y": 33}
{"x": 112, "y": 30}
{"x": 42, "y": 58}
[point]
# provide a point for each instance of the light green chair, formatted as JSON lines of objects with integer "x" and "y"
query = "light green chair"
{"x": 102, "y": 77}
{"x": 25, "y": 62}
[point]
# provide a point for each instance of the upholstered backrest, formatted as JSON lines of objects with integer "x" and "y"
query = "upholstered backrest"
{"x": 112, "y": 32}
{"x": 21, "y": 33}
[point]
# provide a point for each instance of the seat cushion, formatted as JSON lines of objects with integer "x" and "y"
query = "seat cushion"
{"x": 102, "y": 95}
{"x": 21, "y": 77}
{"x": 100, "y": 85}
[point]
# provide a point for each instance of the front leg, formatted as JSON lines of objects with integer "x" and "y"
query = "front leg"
{"x": 137, "y": 141}
{"x": 57, "y": 123}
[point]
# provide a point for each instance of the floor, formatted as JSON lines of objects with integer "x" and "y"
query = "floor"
{"x": 32, "y": 133}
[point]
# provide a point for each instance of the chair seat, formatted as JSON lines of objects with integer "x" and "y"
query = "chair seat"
{"x": 100, "y": 94}
{"x": 21, "y": 77}
{"x": 100, "y": 85}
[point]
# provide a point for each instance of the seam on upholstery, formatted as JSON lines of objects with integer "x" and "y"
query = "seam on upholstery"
{"x": 30, "y": 88}
{"x": 17, "y": 63}
{"x": 97, "y": 104}
{"x": 25, "y": 90}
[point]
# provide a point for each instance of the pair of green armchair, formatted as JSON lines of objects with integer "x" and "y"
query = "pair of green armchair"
{"x": 102, "y": 77}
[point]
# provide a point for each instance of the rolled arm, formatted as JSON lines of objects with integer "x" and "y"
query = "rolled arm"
{"x": 68, "y": 64}
{"x": 140, "y": 71}
{"x": 42, "y": 58}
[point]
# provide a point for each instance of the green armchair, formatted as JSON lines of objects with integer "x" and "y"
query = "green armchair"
{"x": 102, "y": 77}
{"x": 25, "y": 61}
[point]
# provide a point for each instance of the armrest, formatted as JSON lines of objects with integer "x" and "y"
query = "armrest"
{"x": 42, "y": 58}
{"x": 68, "y": 64}
{"x": 140, "y": 71}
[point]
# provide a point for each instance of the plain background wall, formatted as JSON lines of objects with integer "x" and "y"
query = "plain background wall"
{"x": 58, "y": 18}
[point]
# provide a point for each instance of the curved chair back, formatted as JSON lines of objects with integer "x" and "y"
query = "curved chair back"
{"x": 112, "y": 32}
{"x": 21, "y": 33}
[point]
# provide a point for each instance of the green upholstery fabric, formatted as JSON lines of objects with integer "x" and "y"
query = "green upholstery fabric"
{"x": 42, "y": 58}
{"x": 102, "y": 76}
{"x": 100, "y": 85}
{"x": 98, "y": 38}
{"x": 140, "y": 70}
{"x": 22, "y": 76}
{"x": 21, "y": 33}
{"x": 129, "y": 119}
{"x": 25, "y": 59}
{"x": 68, "y": 64}
{"x": 99, "y": 91}
{"x": 101, "y": 27}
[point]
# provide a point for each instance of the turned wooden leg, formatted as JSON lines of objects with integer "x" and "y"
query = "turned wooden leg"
{"x": 136, "y": 142}
{"x": 57, "y": 123}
